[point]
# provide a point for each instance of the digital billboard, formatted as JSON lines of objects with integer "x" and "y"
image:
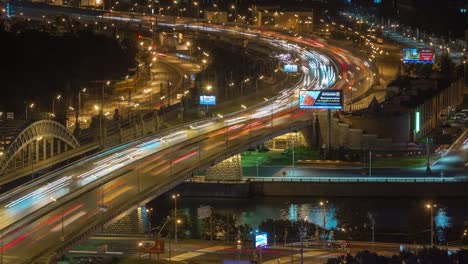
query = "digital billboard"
{"x": 207, "y": 100}
{"x": 414, "y": 55}
{"x": 326, "y": 99}
{"x": 284, "y": 57}
{"x": 261, "y": 240}
{"x": 292, "y": 68}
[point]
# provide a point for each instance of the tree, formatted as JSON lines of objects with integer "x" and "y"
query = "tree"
{"x": 446, "y": 65}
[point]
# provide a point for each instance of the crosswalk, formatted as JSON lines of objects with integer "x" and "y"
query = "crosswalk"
{"x": 288, "y": 259}
{"x": 196, "y": 253}
{"x": 311, "y": 255}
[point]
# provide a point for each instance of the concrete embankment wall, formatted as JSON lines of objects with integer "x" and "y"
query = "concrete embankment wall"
{"x": 314, "y": 189}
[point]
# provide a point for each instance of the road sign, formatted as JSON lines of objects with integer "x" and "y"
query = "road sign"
{"x": 103, "y": 208}
{"x": 204, "y": 212}
{"x": 149, "y": 246}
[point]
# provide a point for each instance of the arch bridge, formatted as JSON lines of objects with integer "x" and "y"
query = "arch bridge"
{"x": 38, "y": 141}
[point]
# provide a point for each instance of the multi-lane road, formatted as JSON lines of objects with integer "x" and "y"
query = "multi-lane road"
{"x": 47, "y": 214}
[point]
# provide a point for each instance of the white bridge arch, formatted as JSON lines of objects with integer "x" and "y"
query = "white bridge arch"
{"x": 26, "y": 146}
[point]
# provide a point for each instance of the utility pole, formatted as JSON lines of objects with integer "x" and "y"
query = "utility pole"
{"x": 329, "y": 132}
{"x": 175, "y": 196}
{"x": 428, "y": 165}
{"x": 431, "y": 207}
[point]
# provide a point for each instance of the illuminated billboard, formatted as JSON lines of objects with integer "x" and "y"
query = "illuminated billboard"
{"x": 207, "y": 100}
{"x": 261, "y": 240}
{"x": 284, "y": 57}
{"x": 326, "y": 99}
{"x": 414, "y": 55}
{"x": 291, "y": 68}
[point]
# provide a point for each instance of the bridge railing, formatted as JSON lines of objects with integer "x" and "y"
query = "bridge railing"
{"x": 359, "y": 179}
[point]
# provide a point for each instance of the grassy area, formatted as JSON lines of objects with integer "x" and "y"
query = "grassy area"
{"x": 402, "y": 162}
{"x": 277, "y": 158}
{"x": 249, "y": 158}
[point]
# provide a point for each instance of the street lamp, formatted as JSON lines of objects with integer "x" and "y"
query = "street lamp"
{"x": 150, "y": 92}
{"x": 149, "y": 211}
{"x": 323, "y": 205}
{"x": 30, "y": 106}
{"x": 62, "y": 237}
{"x": 175, "y": 196}
{"x": 250, "y": 122}
{"x": 189, "y": 45}
{"x": 53, "y": 103}
{"x": 208, "y": 88}
{"x": 235, "y": 12}
{"x": 256, "y": 83}
{"x": 78, "y": 109}
{"x": 431, "y": 207}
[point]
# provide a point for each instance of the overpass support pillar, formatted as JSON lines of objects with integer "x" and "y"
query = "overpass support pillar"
{"x": 228, "y": 170}
{"x": 51, "y": 147}
{"x": 36, "y": 144}
{"x": 59, "y": 146}
{"x": 309, "y": 135}
{"x": 142, "y": 122}
{"x": 44, "y": 149}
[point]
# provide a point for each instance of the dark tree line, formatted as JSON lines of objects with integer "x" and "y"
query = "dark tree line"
{"x": 424, "y": 256}
{"x": 35, "y": 65}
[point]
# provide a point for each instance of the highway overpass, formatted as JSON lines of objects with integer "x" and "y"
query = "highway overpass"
{"x": 41, "y": 220}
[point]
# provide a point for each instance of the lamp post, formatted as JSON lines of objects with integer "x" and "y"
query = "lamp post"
{"x": 62, "y": 237}
{"x": 431, "y": 207}
{"x": 250, "y": 122}
{"x": 302, "y": 234}
{"x": 175, "y": 196}
{"x": 208, "y": 88}
{"x": 256, "y": 83}
{"x": 235, "y": 13}
{"x": 150, "y": 92}
{"x": 428, "y": 165}
{"x": 30, "y": 106}
{"x": 323, "y": 205}
{"x": 189, "y": 46}
{"x": 78, "y": 109}
{"x": 149, "y": 211}
{"x": 53, "y": 103}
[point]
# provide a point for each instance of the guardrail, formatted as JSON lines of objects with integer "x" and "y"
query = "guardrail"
{"x": 359, "y": 179}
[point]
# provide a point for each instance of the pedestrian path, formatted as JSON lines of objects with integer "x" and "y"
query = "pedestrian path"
{"x": 286, "y": 259}
{"x": 196, "y": 253}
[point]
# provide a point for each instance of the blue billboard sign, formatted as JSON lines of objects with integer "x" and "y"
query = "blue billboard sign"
{"x": 290, "y": 68}
{"x": 415, "y": 55}
{"x": 261, "y": 240}
{"x": 325, "y": 99}
{"x": 207, "y": 100}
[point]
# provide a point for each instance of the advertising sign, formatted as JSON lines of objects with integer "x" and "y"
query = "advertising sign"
{"x": 284, "y": 57}
{"x": 292, "y": 68}
{"x": 182, "y": 47}
{"x": 149, "y": 246}
{"x": 204, "y": 212}
{"x": 261, "y": 240}
{"x": 207, "y": 100}
{"x": 235, "y": 261}
{"x": 414, "y": 55}
{"x": 325, "y": 99}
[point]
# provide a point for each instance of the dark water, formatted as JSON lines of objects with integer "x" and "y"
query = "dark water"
{"x": 394, "y": 218}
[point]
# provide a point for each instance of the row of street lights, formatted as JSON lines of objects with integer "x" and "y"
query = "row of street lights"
{"x": 176, "y": 220}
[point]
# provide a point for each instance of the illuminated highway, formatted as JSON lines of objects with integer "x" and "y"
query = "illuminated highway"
{"x": 47, "y": 214}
